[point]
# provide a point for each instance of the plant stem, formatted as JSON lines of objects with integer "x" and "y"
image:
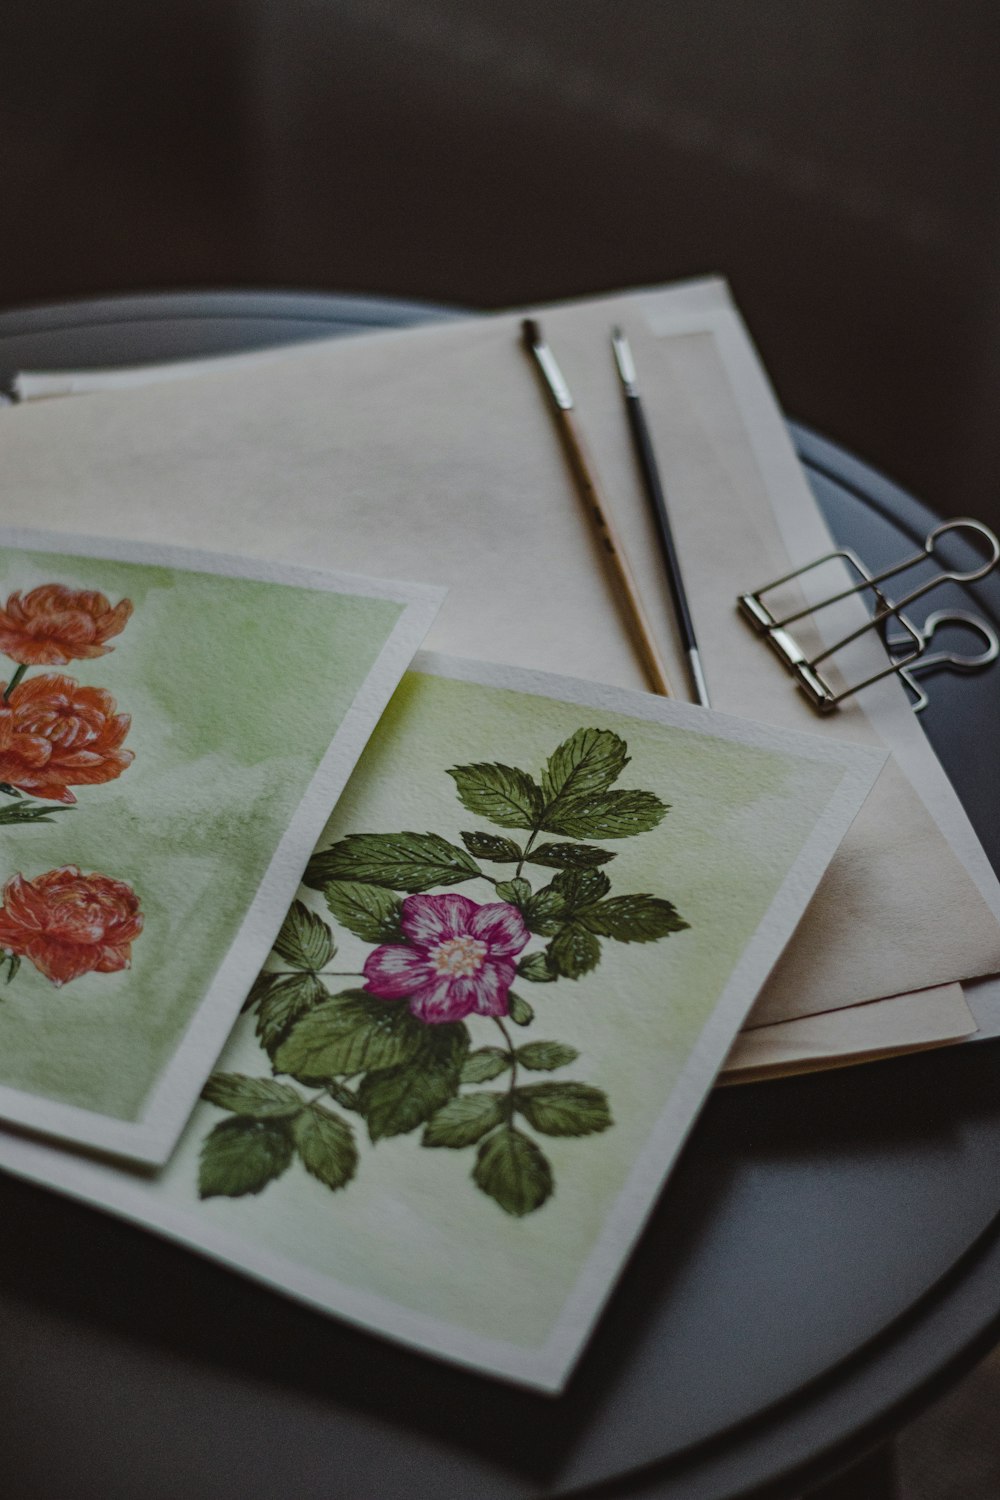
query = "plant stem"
{"x": 527, "y": 850}
{"x": 22, "y": 667}
{"x": 513, "y": 1067}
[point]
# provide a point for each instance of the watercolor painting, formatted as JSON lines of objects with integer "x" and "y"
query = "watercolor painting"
{"x": 430, "y": 1020}
{"x": 173, "y": 731}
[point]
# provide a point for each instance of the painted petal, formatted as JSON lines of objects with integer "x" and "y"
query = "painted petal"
{"x": 393, "y": 971}
{"x": 429, "y": 920}
{"x": 492, "y": 984}
{"x": 23, "y": 904}
{"x": 62, "y": 962}
{"x": 442, "y": 999}
{"x": 501, "y": 927}
{"x": 113, "y": 958}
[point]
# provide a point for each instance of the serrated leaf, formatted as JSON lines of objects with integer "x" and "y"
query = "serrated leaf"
{"x": 543, "y": 1057}
{"x": 634, "y": 919}
{"x": 346, "y": 1035}
{"x": 580, "y": 888}
{"x": 397, "y": 1100}
{"x": 492, "y": 846}
{"x": 369, "y": 911}
{"x": 515, "y": 892}
{"x": 545, "y": 911}
{"x": 570, "y": 856}
{"x": 538, "y": 968}
{"x": 588, "y": 762}
{"x": 574, "y": 951}
{"x": 242, "y": 1155}
{"x": 262, "y": 986}
{"x": 305, "y": 941}
{"x": 504, "y": 794}
{"x": 564, "y": 1108}
{"x": 612, "y": 815}
{"x": 261, "y": 1098}
{"x": 519, "y": 1011}
{"x": 397, "y": 861}
{"x": 484, "y": 1064}
{"x": 325, "y": 1144}
{"x": 514, "y": 1172}
{"x": 465, "y": 1120}
{"x": 285, "y": 1002}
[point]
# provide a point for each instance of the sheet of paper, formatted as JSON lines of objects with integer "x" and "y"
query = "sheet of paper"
{"x": 524, "y": 944}
{"x": 843, "y": 1038}
{"x": 432, "y": 453}
{"x": 174, "y": 728}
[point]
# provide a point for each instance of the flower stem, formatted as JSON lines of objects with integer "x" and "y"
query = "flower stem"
{"x": 22, "y": 667}
{"x": 527, "y": 851}
{"x": 513, "y": 1067}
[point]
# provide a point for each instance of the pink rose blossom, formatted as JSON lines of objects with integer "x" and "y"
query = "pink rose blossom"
{"x": 458, "y": 958}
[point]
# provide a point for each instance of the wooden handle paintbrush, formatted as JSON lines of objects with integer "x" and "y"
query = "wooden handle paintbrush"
{"x": 595, "y": 507}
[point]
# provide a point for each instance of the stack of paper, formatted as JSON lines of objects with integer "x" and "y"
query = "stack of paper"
{"x": 545, "y": 902}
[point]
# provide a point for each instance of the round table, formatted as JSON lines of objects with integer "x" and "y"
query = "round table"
{"x": 825, "y": 1259}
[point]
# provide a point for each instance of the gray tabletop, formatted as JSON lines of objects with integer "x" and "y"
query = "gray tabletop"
{"x": 824, "y": 1259}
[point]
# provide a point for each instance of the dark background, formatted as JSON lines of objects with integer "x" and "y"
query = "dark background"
{"x": 837, "y": 160}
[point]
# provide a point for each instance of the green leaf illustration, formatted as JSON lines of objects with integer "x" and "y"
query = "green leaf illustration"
{"x": 261, "y": 987}
{"x": 574, "y": 951}
{"x": 13, "y": 964}
{"x": 503, "y": 794}
{"x": 349, "y": 1034}
{"x": 519, "y": 1011}
{"x": 397, "y": 1100}
{"x": 512, "y": 1171}
{"x": 398, "y": 861}
{"x": 545, "y": 911}
{"x": 283, "y": 1003}
{"x": 612, "y": 815}
{"x": 564, "y": 1108}
{"x": 492, "y": 846}
{"x": 325, "y": 1144}
{"x": 515, "y": 892}
{"x": 484, "y": 1064}
{"x": 569, "y": 856}
{"x": 261, "y": 1098}
{"x": 634, "y": 919}
{"x": 465, "y": 1120}
{"x": 538, "y": 967}
{"x": 579, "y": 889}
{"x": 30, "y": 812}
{"x": 305, "y": 941}
{"x": 543, "y": 1057}
{"x": 242, "y": 1155}
{"x": 369, "y": 911}
{"x": 587, "y": 763}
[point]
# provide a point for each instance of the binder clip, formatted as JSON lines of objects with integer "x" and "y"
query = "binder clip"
{"x": 906, "y": 651}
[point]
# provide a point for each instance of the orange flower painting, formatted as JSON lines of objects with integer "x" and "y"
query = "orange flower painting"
{"x": 55, "y": 734}
{"x": 53, "y": 625}
{"x": 68, "y": 924}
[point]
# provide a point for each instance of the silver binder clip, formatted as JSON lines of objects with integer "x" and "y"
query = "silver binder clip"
{"x": 905, "y": 651}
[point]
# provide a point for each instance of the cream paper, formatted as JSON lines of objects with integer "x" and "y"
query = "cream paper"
{"x": 432, "y": 454}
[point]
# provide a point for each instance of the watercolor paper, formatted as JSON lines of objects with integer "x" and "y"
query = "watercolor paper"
{"x": 522, "y": 948}
{"x": 174, "y": 729}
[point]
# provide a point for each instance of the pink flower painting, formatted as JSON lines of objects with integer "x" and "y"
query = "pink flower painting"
{"x": 458, "y": 958}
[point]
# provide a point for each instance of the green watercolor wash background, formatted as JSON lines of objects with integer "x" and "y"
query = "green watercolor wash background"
{"x": 235, "y": 688}
{"x": 412, "y": 1227}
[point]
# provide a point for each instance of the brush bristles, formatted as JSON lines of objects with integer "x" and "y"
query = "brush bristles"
{"x": 531, "y": 332}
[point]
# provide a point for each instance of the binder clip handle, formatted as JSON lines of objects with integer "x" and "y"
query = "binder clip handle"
{"x": 931, "y": 661}
{"x": 964, "y": 523}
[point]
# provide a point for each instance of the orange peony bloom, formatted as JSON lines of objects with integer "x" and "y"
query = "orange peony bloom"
{"x": 52, "y": 625}
{"x": 70, "y": 924}
{"x": 55, "y": 734}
